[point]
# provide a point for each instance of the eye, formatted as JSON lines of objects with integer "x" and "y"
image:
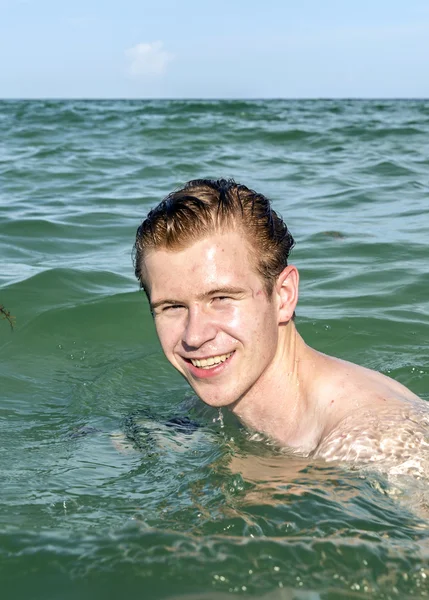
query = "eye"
{"x": 172, "y": 307}
{"x": 221, "y": 299}
{"x": 167, "y": 309}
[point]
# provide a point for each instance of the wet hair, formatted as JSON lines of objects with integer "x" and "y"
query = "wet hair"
{"x": 207, "y": 206}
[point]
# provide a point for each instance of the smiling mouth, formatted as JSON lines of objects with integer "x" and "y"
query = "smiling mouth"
{"x": 209, "y": 363}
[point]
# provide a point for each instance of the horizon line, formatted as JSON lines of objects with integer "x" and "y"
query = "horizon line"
{"x": 213, "y": 99}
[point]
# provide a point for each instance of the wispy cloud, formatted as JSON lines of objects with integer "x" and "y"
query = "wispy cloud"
{"x": 147, "y": 59}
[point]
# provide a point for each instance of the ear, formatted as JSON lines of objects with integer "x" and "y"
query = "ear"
{"x": 287, "y": 293}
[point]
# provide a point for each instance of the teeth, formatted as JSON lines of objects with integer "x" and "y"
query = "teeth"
{"x": 207, "y": 363}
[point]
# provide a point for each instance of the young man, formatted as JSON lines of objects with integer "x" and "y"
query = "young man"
{"x": 213, "y": 261}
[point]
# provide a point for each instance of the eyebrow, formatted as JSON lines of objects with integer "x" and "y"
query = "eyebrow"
{"x": 223, "y": 291}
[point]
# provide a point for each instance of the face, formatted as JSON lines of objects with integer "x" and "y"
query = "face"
{"x": 214, "y": 320}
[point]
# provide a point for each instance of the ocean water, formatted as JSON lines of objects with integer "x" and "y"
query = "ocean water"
{"x": 115, "y": 480}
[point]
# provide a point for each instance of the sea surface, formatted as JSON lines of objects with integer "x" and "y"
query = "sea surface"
{"x": 115, "y": 481}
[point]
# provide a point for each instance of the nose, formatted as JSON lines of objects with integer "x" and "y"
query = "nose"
{"x": 199, "y": 329}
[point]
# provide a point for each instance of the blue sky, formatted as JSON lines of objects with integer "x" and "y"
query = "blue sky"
{"x": 214, "y": 49}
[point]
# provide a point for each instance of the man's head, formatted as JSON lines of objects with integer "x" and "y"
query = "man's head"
{"x": 212, "y": 259}
{"x": 205, "y": 207}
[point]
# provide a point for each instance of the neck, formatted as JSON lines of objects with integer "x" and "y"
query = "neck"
{"x": 279, "y": 404}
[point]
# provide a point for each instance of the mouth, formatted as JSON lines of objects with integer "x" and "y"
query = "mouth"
{"x": 205, "y": 367}
{"x": 209, "y": 363}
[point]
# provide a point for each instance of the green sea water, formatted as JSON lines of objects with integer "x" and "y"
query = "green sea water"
{"x": 106, "y": 490}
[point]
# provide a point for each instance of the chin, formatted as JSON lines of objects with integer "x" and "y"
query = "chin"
{"x": 215, "y": 402}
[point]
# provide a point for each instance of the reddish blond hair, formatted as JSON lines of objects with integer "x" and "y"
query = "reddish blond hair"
{"x": 204, "y": 207}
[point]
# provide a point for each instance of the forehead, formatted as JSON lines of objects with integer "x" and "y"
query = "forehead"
{"x": 222, "y": 259}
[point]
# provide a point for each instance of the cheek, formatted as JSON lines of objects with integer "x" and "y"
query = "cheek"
{"x": 232, "y": 320}
{"x": 244, "y": 324}
{"x": 264, "y": 329}
{"x": 167, "y": 335}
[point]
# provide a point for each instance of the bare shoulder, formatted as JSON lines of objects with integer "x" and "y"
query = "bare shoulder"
{"x": 361, "y": 384}
{"x": 343, "y": 388}
{"x": 396, "y": 432}
{"x": 375, "y": 417}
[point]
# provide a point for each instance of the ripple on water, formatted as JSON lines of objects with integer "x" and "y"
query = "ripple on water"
{"x": 103, "y": 493}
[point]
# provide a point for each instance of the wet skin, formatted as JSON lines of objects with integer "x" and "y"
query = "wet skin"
{"x": 209, "y": 303}
{"x": 239, "y": 348}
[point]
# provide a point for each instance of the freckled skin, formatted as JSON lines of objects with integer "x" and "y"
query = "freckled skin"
{"x": 208, "y": 301}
